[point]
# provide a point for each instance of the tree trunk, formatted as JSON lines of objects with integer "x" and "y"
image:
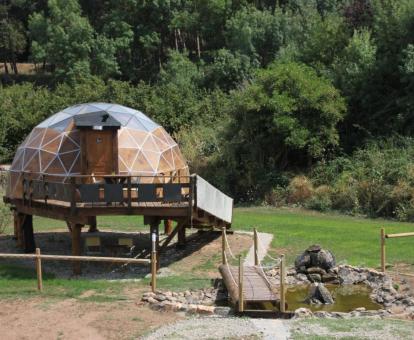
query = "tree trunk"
{"x": 6, "y": 68}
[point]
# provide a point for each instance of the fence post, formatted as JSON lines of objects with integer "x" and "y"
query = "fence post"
{"x": 39, "y": 270}
{"x": 383, "y": 250}
{"x": 223, "y": 245}
{"x": 256, "y": 247}
{"x": 241, "y": 298}
{"x": 282, "y": 283}
{"x": 154, "y": 263}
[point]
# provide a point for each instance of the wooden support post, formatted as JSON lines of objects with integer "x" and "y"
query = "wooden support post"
{"x": 241, "y": 298}
{"x": 154, "y": 229}
{"x": 39, "y": 270}
{"x": 223, "y": 245}
{"x": 168, "y": 227}
{"x": 256, "y": 247}
{"x": 28, "y": 235}
{"x": 282, "y": 284}
{"x": 383, "y": 250}
{"x": 18, "y": 227}
{"x": 76, "y": 247}
{"x": 153, "y": 262}
{"x": 93, "y": 225}
{"x": 181, "y": 238}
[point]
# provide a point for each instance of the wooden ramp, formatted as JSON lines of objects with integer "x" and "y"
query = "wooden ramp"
{"x": 256, "y": 288}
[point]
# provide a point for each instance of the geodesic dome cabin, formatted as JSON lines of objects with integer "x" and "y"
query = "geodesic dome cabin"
{"x": 96, "y": 139}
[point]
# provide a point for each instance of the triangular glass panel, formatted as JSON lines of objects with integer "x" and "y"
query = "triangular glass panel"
{"x": 67, "y": 145}
{"x": 62, "y": 125}
{"x": 150, "y": 145}
{"x": 53, "y": 145}
{"x": 135, "y": 124}
{"x": 18, "y": 160}
{"x": 73, "y": 109}
{"x": 141, "y": 164}
{"x": 33, "y": 165}
{"x": 164, "y": 166}
{"x": 68, "y": 159}
{"x": 128, "y": 156}
{"x": 123, "y": 118}
{"x": 139, "y": 136}
{"x": 55, "y": 167}
{"x": 153, "y": 158}
{"x": 45, "y": 159}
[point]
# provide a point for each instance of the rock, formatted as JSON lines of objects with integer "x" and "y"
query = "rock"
{"x": 205, "y": 309}
{"x": 223, "y": 311}
{"x": 319, "y": 293}
{"x": 151, "y": 300}
{"x": 314, "y": 256}
{"x": 315, "y": 277}
{"x": 148, "y": 294}
{"x": 301, "y": 277}
{"x": 316, "y": 270}
{"x": 322, "y": 314}
{"x": 160, "y": 297}
{"x": 302, "y": 313}
{"x": 329, "y": 278}
{"x": 360, "y": 309}
{"x": 348, "y": 276}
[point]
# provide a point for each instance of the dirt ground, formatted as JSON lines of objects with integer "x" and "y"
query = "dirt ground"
{"x": 72, "y": 319}
{"x": 81, "y": 318}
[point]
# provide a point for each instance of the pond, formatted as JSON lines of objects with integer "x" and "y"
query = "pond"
{"x": 346, "y": 297}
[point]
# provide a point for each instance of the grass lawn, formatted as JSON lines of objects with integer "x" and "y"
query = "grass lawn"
{"x": 353, "y": 240}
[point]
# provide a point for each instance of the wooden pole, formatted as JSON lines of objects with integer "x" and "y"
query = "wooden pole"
{"x": 154, "y": 262}
{"x": 398, "y": 235}
{"x": 223, "y": 245}
{"x": 282, "y": 283}
{"x": 241, "y": 298}
{"x": 383, "y": 250}
{"x": 39, "y": 270}
{"x": 76, "y": 247}
{"x": 256, "y": 248}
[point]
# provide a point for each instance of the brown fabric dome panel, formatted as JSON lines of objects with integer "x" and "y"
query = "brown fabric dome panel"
{"x": 53, "y": 147}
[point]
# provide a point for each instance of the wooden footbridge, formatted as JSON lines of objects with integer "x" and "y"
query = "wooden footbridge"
{"x": 248, "y": 285}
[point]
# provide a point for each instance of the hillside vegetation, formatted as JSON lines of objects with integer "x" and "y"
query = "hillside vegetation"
{"x": 303, "y": 102}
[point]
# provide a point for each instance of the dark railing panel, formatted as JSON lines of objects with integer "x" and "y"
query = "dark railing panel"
{"x": 113, "y": 193}
{"x": 172, "y": 192}
{"x": 147, "y": 192}
{"x": 89, "y": 193}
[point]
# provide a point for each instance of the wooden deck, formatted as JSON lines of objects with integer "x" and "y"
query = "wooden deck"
{"x": 256, "y": 288}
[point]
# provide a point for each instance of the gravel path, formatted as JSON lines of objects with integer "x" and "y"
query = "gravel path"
{"x": 204, "y": 328}
{"x": 265, "y": 239}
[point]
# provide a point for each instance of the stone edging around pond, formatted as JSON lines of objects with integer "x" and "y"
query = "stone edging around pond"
{"x": 203, "y": 301}
{"x": 200, "y": 301}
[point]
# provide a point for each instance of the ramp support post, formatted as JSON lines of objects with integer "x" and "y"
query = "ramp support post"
{"x": 241, "y": 299}
{"x": 282, "y": 284}
{"x": 256, "y": 248}
{"x": 223, "y": 245}
{"x": 383, "y": 250}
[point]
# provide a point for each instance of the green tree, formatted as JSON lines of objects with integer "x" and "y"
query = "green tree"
{"x": 287, "y": 117}
{"x": 12, "y": 38}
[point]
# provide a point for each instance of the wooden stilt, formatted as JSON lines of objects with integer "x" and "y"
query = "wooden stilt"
{"x": 28, "y": 235}
{"x": 93, "y": 226}
{"x": 181, "y": 238}
{"x": 168, "y": 228}
{"x": 76, "y": 247}
{"x": 155, "y": 230}
{"x": 153, "y": 263}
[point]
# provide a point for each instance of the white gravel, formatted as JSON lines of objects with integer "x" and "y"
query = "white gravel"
{"x": 265, "y": 239}
{"x": 203, "y": 328}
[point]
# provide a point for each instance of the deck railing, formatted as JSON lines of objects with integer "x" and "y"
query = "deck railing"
{"x": 108, "y": 190}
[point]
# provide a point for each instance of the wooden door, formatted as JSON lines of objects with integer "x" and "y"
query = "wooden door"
{"x": 99, "y": 152}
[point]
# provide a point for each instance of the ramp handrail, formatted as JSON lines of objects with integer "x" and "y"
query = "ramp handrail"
{"x": 213, "y": 201}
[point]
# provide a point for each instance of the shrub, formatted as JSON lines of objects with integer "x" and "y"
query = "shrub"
{"x": 321, "y": 199}
{"x": 300, "y": 189}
